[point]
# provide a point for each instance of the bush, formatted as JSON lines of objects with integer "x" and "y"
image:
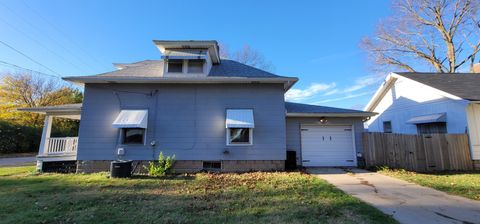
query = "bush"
{"x": 19, "y": 138}
{"x": 162, "y": 166}
{"x": 16, "y": 138}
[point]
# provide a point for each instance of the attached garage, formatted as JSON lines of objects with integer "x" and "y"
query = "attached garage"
{"x": 325, "y": 136}
{"x": 331, "y": 145}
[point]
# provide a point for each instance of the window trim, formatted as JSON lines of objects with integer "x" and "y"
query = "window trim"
{"x": 250, "y": 135}
{"x": 122, "y": 135}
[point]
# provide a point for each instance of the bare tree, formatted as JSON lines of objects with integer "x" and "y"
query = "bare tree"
{"x": 248, "y": 56}
{"x": 439, "y": 35}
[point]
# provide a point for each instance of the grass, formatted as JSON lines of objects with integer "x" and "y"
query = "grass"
{"x": 27, "y": 197}
{"x": 465, "y": 184}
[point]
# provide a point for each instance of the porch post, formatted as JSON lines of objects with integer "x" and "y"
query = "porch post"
{"x": 47, "y": 129}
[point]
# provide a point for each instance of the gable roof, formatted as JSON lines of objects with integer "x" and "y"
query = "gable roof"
{"x": 149, "y": 71}
{"x": 463, "y": 85}
{"x": 308, "y": 110}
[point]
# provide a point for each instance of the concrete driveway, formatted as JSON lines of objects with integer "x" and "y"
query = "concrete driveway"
{"x": 404, "y": 201}
{"x": 18, "y": 161}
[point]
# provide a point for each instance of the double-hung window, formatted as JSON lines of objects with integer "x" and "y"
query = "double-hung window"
{"x": 239, "y": 127}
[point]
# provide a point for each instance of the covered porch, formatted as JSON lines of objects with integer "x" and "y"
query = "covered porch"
{"x": 54, "y": 149}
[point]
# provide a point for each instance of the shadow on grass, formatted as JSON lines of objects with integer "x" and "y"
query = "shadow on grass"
{"x": 68, "y": 198}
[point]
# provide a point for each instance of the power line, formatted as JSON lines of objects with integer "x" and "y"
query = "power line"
{"x": 61, "y": 32}
{"x": 46, "y": 34}
{"x": 27, "y": 69}
{"x": 41, "y": 45}
{"x": 31, "y": 59}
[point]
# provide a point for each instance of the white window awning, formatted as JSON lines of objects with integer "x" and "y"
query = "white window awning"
{"x": 431, "y": 118}
{"x": 239, "y": 118}
{"x": 185, "y": 54}
{"x": 131, "y": 119}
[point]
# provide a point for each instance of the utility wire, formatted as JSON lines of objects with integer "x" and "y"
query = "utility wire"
{"x": 27, "y": 69}
{"x": 45, "y": 34}
{"x": 57, "y": 28}
{"x": 42, "y": 45}
{"x": 31, "y": 59}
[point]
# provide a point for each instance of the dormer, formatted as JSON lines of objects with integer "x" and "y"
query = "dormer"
{"x": 188, "y": 57}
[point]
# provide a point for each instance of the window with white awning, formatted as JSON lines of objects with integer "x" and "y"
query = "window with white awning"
{"x": 239, "y": 124}
{"x": 131, "y": 119}
{"x": 431, "y": 118}
{"x": 132, "y": 124}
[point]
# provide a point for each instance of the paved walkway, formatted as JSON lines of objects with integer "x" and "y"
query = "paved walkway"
{"x": 404, "y": 201}
{"x": 18, "y": 161}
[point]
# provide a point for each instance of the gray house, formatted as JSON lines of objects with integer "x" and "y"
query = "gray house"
{"x": 211, "y": 113}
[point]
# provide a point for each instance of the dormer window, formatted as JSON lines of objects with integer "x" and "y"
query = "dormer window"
{"x": 175, "y": 66}
{"x": 195, "y": 66}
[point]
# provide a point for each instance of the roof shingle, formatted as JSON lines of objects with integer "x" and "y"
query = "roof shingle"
{"x": 314, "y": 109}
{"x": 463, "y": 85}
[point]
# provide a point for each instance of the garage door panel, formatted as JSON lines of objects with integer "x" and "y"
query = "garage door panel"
{"x": 327, "y": 146}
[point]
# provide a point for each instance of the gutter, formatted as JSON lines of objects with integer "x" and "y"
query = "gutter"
{"x": 288, "y": 81}
{"x": 364, "y": 114}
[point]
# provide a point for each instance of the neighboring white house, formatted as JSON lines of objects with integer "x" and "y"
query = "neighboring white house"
{"x": 425, "y": 103}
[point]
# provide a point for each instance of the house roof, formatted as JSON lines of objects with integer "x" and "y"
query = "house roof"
{"x": 307, "y": 110}
{"x": 58, "y": 108}
{"x": 70, "y": 111}
{"x": 463, "y": 85}
{"x": 150, "y": 71}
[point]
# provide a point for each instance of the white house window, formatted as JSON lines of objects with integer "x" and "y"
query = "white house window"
{"x": 133, "y": 136}
{"x": 195, "y": 66}
{"x": 239, "y": 126}
{"x": 175, "y": 66}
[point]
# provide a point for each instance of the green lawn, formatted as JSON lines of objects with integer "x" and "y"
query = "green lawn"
{"x": 26, "y": 197}
{"x": 466, "y": 184}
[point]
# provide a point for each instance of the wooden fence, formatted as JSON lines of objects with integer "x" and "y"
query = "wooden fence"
{"x": 422, "y": 153}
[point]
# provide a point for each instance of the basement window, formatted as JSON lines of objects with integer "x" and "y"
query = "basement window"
{"x": 212, "y": 165}
{"x": 175, "y": 66}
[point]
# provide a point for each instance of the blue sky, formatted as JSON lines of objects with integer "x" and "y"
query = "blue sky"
{"x": 317, "y": 41}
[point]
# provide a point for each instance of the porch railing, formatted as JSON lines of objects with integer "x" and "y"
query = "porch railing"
{"x": 63, "y": 145}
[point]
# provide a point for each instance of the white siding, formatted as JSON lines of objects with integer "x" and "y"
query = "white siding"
{"x": 473, "y": 115}
{"x": 407, "y": 99}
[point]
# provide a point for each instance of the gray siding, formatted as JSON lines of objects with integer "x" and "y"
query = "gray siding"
{"x": 185, "y": 120}
{"x": 293, "y": 131}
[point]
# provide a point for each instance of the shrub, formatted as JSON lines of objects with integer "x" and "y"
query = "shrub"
{"x": 16, "y": 138}
{"x": 162, "y": 166}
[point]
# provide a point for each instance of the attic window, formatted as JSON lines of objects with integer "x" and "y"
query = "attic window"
{"x": 175, "y": 66}
{"x": 195, "y": 66}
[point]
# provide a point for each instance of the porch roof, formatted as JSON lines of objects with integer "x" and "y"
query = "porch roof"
{"x": 70, "y": 111}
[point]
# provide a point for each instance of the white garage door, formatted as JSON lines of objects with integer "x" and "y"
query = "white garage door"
{"x": 327, "y": 146}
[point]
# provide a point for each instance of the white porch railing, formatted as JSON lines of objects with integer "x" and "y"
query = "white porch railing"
{"x": 65, "y": 145}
